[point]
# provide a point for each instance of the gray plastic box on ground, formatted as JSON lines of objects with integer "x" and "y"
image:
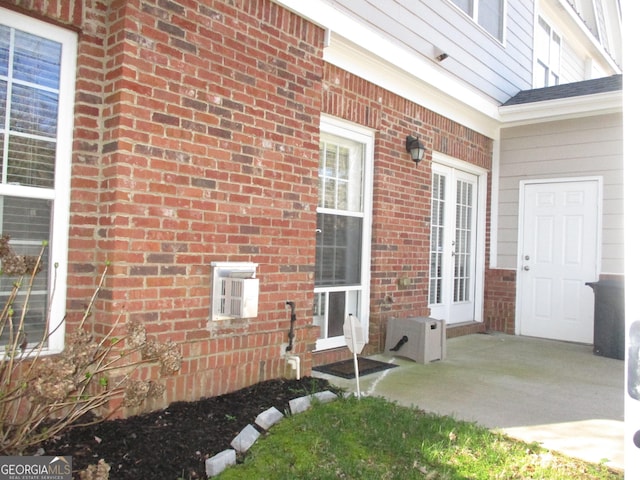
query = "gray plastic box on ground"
{"x": 422, "y": 339}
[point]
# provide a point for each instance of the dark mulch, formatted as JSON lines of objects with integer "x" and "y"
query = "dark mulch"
{"x": 174, "y": 443}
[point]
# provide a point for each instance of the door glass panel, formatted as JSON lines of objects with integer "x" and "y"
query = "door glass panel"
{"x": 437, "y": 238}
{"x": 463, "y": 246}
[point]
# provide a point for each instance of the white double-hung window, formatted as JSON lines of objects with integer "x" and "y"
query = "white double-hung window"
{"x": 343, "y": 233}
{"x": 37, "y": 79}
{"x": 489, "y": 14}
{"x": 546, "y": 71}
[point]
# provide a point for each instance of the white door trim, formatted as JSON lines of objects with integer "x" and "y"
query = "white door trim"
{"x": 520, "y": 253}
{"x": 483, "y": 175}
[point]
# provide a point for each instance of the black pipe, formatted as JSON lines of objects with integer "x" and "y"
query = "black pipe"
{"x": 293, "y": 319}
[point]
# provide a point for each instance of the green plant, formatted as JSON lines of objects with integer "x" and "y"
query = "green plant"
{"x": 40, "y": 394}
{"x": 372, "y": 438}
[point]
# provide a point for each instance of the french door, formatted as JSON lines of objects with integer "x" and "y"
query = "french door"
{"x": 454, "y": 225}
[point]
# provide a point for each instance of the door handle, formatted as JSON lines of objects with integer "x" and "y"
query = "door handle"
{"x": 526, "y": 268}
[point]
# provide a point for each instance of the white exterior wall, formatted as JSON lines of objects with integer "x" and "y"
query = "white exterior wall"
{"x": 498, "y": 69}
{"x": 590, "y": 146}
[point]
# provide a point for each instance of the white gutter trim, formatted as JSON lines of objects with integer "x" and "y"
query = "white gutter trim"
{"x": 427, "y": 76}
{"x": 561, "y": 109}
{"x": 589, "y": 37}
{"x": 361, "y": 51}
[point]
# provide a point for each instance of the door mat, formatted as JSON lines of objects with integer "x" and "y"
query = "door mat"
{"x": 345, "y": 368}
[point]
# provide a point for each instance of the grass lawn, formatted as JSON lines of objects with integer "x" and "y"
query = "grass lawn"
{"x": 372, "y": 438}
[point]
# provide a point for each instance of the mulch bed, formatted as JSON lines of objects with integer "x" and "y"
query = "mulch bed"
{"x": 175, "y": 442}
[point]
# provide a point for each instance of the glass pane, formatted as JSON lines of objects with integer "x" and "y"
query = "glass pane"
{"x": 554, "y": 54}
{"x": 437, "y": 238}
{"x": 3, "y": 103}
{"x": 338, "y": 250}
{"x": 341, "y": 174}
{"x": 27, "y": 223}
{"x": 31, "y": 162}
{"x": 4, "y": 50}
{"x": 34, "y": 111}
{"x": 540, "y": 72}
{"x": 337, "y": 306}
{"x": 462, "y": 263}
{"x": 319, "y": 310}
{"x": 465, "y": 5}
{"x": 490, "y": 16}
{"x": 37, "y": 60}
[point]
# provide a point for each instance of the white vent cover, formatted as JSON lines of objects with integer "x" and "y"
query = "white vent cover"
{"x": 239, "y": 297}
{"x": 234, "y": 290}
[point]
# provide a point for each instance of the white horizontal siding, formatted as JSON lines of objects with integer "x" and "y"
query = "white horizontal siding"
{"x": 572, "y": 65}
{"x": 494, "y": 69}
{"x": 590, "y": 146}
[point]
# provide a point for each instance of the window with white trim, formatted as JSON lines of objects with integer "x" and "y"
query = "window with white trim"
{"x": 489, "y": 14}
{"x": 546, "y": 71}
{"x": 37, "y": 78}
{"x": 343, "y": 233}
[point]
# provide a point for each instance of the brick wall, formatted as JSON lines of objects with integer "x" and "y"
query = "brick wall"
{"x": 500, "y": 300}
{"x": 402, "y": 192}
{"x": 196, "y": 140}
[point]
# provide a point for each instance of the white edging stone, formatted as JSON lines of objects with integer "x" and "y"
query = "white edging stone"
{"x": 216, "y": 464}
{"x": 248, "y": 436}
{"x": 245, "y": 439}
{"x": 269, "y": 418}
{"x": 300, "y": 404}
{"x": 325, "y": 397}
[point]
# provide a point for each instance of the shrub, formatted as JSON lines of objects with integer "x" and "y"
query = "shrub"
{"x": 41, "y": 395}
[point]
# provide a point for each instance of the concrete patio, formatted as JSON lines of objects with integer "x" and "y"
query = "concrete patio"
{"x": 555, "y": 393}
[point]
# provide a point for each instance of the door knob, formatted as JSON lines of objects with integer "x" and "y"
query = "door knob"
{"x": 526, "y": 268}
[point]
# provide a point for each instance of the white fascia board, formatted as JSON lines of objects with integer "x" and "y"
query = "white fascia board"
{"x": 585, "y": 38}
{"x": 561, "y": 109}
{"x": 361, "y": 51}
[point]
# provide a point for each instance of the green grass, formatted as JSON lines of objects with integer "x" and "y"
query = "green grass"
{"x": 374, "y": 439}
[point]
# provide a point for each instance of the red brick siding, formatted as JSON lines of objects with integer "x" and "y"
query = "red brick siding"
{"x": 196, "y": 140}
{"x": 500, "y": 300}
{"x": 402, "y": 192}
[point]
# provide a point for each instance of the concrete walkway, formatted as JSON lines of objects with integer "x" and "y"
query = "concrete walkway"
{"x": 555, "y": 393}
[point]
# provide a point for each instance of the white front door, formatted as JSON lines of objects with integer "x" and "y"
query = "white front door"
{"x": 558, "y": 254}
{"x": 452, "y": 277}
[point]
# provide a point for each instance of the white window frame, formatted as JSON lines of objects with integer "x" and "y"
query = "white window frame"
{"x": 547, "y": 60}
{"x": 60, "y": 194}
{"x": 365, "y": 136}
{"x": 475, "y": 16}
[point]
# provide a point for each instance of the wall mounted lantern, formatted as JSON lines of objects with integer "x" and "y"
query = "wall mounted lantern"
{"x": 416, "y": 148}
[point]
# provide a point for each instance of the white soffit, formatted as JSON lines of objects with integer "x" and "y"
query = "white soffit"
{"x": 561, "y": 109}
{"x": 363, "y": 52}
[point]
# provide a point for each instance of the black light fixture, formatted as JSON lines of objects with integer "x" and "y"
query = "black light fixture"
{"x": 415, "y": 147}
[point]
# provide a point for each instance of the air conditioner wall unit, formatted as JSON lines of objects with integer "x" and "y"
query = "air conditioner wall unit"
{"x": 234, "y": 290}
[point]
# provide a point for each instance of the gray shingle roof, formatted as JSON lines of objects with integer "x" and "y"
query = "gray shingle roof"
{"x": 576, "y": 89}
